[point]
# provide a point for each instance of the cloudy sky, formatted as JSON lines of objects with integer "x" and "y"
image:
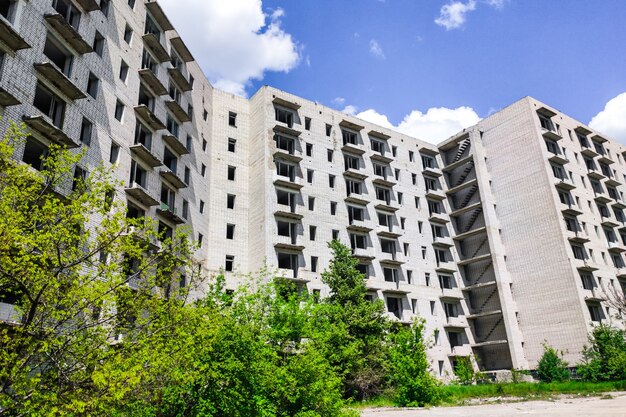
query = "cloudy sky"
{"x": 427, "y": 68}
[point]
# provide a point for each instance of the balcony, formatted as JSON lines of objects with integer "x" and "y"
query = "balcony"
{"x": 355, "y": 173}
{"x": 159, "y": 15}
{"x": 392, "y": 259}
{"x": 150, "y": 79}
{"x": 291, "y": 155}
{"x": 146, "y": 155}
{"x": 435, "y": 194}
{"x": 446, "y": 266}
{"x": 10, "y": 314}
{"x": 138, "y": 234}
{"x": 571, "y": 208}
{"x": 386, "y": 206}
{"x": 469, "y": 207}
{"x": 583, "y": 265}
{"x": 620, "y": 272}
{"x": 588, "y": 151}
{"x": 387, "y": 181}
{"x": 609, "y": 221}
{"x": 615, "y": 247}
{"x": 154, "y": 44}
{"x": 175, "y": 143}
{"x": 389, "y": 231}
{"x": 169, "y": 213}
{"x": 352, "y": 148}
{"x": 179, "y": 79}
{"x": 10, "y": 37}
{"x": 288, "y": 212}
{"x": 444, "y": 241}
{"x": 438, "y": 217}
{"x": 618, "y": 203}
{"x": 594, "y": 294}
{"x": 88, "y": 5}
{"x": 459, "y": 322}
{"x": 357, "y": 199}
{"x": 364, "y": 254}
{"x": 577, "y": 236}
{"x": 551, "y": 133}
{"x": 148, "y": 117}
{"x": 463, "y": 350}
{"x": 467, "y": 184}
{"x": 612, "y": 181}
{"x": 7, "y": 99}
{"x": 359, "y": 226}
{"x": 379, "y": 157}
{"x": 141, "y": 194}
{"x": 287, "y": 243}
{"x": 454, "y": 294}
{"x": 432, "y": 171}
{"x": 181, "y": 49}
{"x": 490, "y": 343}
{"x": 564, "y": 183}
{"x": 61, "y": 26}
{"x": 59, "y": 81}
{"x": 294, "y": 183}
{"x": 595, "y": 174}
{"x": 44, "y": 128}
{"x": 172, "y": 178}
{"x": 600, "y": 197}
{"x": 286, "y": 130}
{"x": 179, "y": 113}
{"x": 558, "y": 157}
{"x": 470, "y": 233}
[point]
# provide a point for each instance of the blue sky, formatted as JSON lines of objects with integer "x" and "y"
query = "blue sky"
{"x": 391, "y": 61}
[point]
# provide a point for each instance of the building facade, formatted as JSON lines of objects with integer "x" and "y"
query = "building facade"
{"x": 502, "y": 237}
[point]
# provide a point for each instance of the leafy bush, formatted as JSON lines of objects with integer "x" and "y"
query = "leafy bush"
{"x": 605, "y": 358}
{"x": 409, "y": 371}
{"x": 464, "y": 370}
{"x": 551, "y": 367}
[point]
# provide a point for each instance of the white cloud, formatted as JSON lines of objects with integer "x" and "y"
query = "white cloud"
{"x": 452, "y": 15}
{"x": 498, "y": 4}
{"x": 437, "y": 124}
{"x": 350, "y": 109}
{"x": 339, "y": 101}
{"x": 376, "y": 50}
{"x": 233, "y": 41}
{"x": 612, "y": 120}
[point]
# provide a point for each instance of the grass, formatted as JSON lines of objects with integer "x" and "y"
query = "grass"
{"x": 455, "y": 394}
{"x": 461, "y": 394}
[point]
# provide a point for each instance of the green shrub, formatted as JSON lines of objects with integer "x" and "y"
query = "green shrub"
{"x": 552, "y": 367}
{"x": 605, "y": 358}
{"x": 464, "y": 370}
{"x": 409, "y": 371}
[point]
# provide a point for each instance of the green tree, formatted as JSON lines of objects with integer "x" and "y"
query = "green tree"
{"x": 348, "y": 329}
{"x": 605, "y": 358}
{"x": 551, "y": 366}
{"x": 464, "y": 370}
{"x": 409, "y": 370}
{"x": 67, "y": 257}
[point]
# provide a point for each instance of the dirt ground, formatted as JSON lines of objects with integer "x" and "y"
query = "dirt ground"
{"x": 607, "y": 405}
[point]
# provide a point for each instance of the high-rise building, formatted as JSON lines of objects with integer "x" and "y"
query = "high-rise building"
{"x": 504, "y": 236}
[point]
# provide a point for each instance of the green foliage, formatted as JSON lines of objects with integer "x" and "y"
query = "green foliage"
{"x": 605, "y": 358}
{"x": 551, "y": 366}
{"x": 409, "y": 371}
{"x": 60, "y": 353}
{"x": 464, "y": 370}
{"x": 350, "y": 330}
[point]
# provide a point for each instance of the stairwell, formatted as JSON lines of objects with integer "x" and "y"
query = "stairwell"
{"x": 472, "y": 219}
{"x": 490, "y": 332}
{"x": 489, "y": 297}
{"x": 459, "y": 153}
{"x": 482, "y": 244}
{"x": 482, "y": 273}
{"x": 468, "y": 197}
{"x": 464, "y": 175}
